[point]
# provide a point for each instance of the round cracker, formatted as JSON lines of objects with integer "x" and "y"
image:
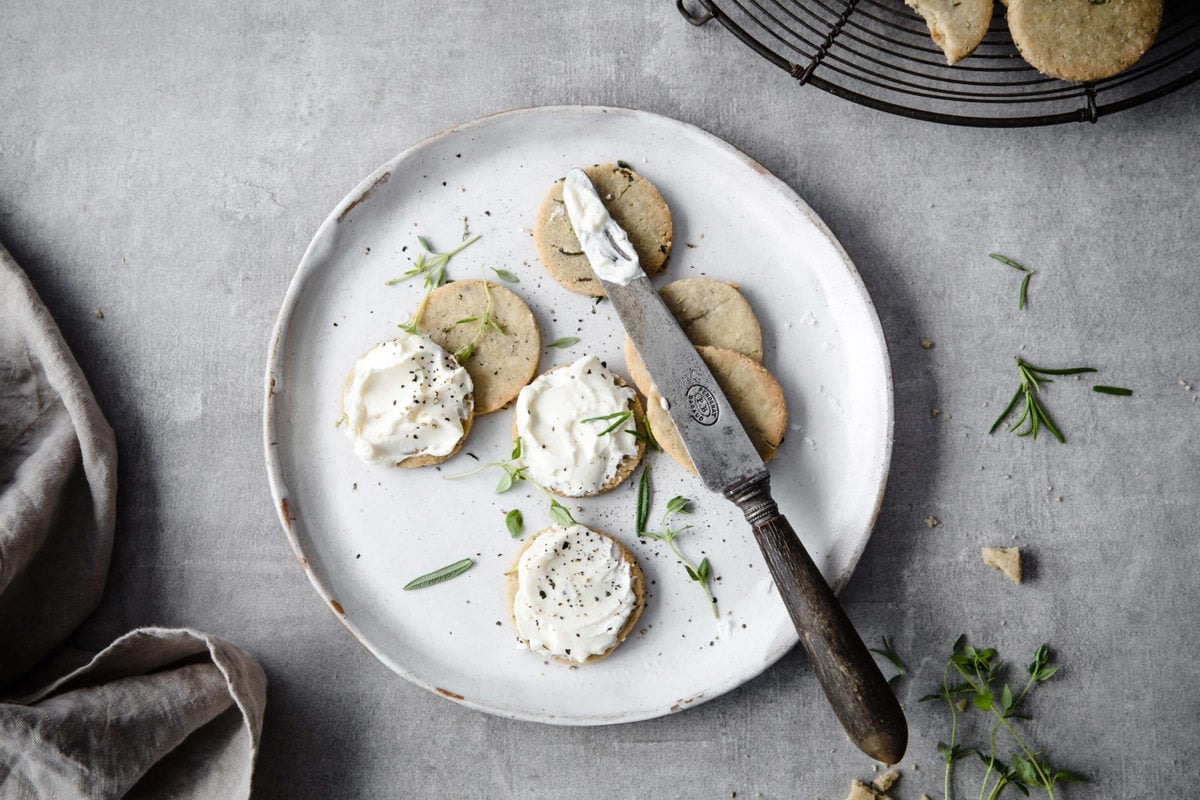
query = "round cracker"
{"x": 629, "y": 463}
{"x": 634, "y": 204}
{"x": 500, "y": 364}
{"x": 1082, "y": 40}
{"x": 637, "y": 581}
{"x": 424, "y": 461}
{"x": 956, "y": 26}
{"x": 711, "y": 313}
{"x": 755, "y": 395}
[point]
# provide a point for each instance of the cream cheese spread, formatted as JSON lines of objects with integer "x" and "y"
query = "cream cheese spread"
{"x": 405, "y": 398}
{"x": 574, "y": 594}
{"x": 560, "y": 449}
{"x": 591, "y": 219}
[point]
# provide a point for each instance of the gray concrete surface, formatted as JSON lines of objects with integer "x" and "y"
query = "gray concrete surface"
{"x": 167, "y": 163}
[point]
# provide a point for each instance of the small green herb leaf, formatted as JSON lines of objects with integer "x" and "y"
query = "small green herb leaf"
{"x": 506, "y": 276}
{"x": 516, "y": 451}
{"x": 561, "y": 516}
{"x": 438, "y": 575}
{"x": 620, "y": 417}
{"x": 515, "y": 523}
{"x": 1023, "y": 296}
{"x": 565, "y": 342}
{"x": 885, "y": 650}
{"x": 643, "y": 501}
{"x": 1114, "y": 390}
{"x": 679, "y": 505}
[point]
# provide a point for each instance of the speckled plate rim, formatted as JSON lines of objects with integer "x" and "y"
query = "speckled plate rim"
{"x": 851, "y": 551}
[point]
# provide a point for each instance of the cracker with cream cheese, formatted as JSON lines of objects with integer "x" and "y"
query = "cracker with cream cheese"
{"x": 632, "y": 201}
{"x": 555, "y": 421}
{"x": 584, "y": 604}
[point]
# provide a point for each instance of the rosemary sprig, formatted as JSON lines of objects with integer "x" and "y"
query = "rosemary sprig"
{"x": 620, "y": 418}
{"x": 438, "y": 575}
{"x": 431, "y": 266}
{"x": 700, "y": 573}
{"x": 646, "y": 438}
{"x": 1033, "y": 415}
{"x": 1023, "y": 296}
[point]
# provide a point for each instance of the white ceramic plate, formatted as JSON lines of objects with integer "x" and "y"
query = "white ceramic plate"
{"x": 361, "y": 531}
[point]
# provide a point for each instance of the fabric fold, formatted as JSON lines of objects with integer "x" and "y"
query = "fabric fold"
{"x": 159, "y": 712}
{"x": 158, "y": 709}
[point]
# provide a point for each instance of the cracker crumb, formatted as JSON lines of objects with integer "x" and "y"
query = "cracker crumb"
{"x": 931, "y": 522}
{"x": 1005, "y": 559}
{"x": 98, "y": 314}
{"x": 926, "y": 344}
{"x": 887, "y": 780}
{"x": 860, "y": 791}
{"x": 933, "y": 412}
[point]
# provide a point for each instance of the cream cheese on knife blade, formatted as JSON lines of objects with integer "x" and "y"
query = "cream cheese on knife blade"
{"x": 590, "y": 219}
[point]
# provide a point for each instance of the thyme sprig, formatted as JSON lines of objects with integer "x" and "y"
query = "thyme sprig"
{"x": 483, "y": 322}
{"x": 515, "y": 473}
{"x": 1023, "y": 296}
{"x": 975, "y": 675}
{"x": 430, "y": 265}
{"x": 700, "y": 573}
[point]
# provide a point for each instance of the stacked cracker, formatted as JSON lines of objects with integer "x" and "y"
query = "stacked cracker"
{"x": 1074, "y": 40}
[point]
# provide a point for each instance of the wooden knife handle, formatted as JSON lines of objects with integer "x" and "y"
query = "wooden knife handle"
{"x": 860, "y": 697}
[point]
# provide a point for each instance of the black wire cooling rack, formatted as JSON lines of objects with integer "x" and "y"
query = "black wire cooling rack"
{"x": 878, "y": 53}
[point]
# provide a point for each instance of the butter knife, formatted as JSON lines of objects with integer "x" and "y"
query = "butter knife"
{"x": 727, "y": 462}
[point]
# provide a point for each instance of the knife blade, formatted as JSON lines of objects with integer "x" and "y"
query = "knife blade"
{"x": 727, "y": 462}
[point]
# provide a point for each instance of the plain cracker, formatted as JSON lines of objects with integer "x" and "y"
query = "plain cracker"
{"x": 711, "y": 313}
{"x": 755, "y": 395}
{"x": 500, "y": 364}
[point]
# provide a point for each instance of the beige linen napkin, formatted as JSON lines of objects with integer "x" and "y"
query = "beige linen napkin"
{"x": 159, "y": 713}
